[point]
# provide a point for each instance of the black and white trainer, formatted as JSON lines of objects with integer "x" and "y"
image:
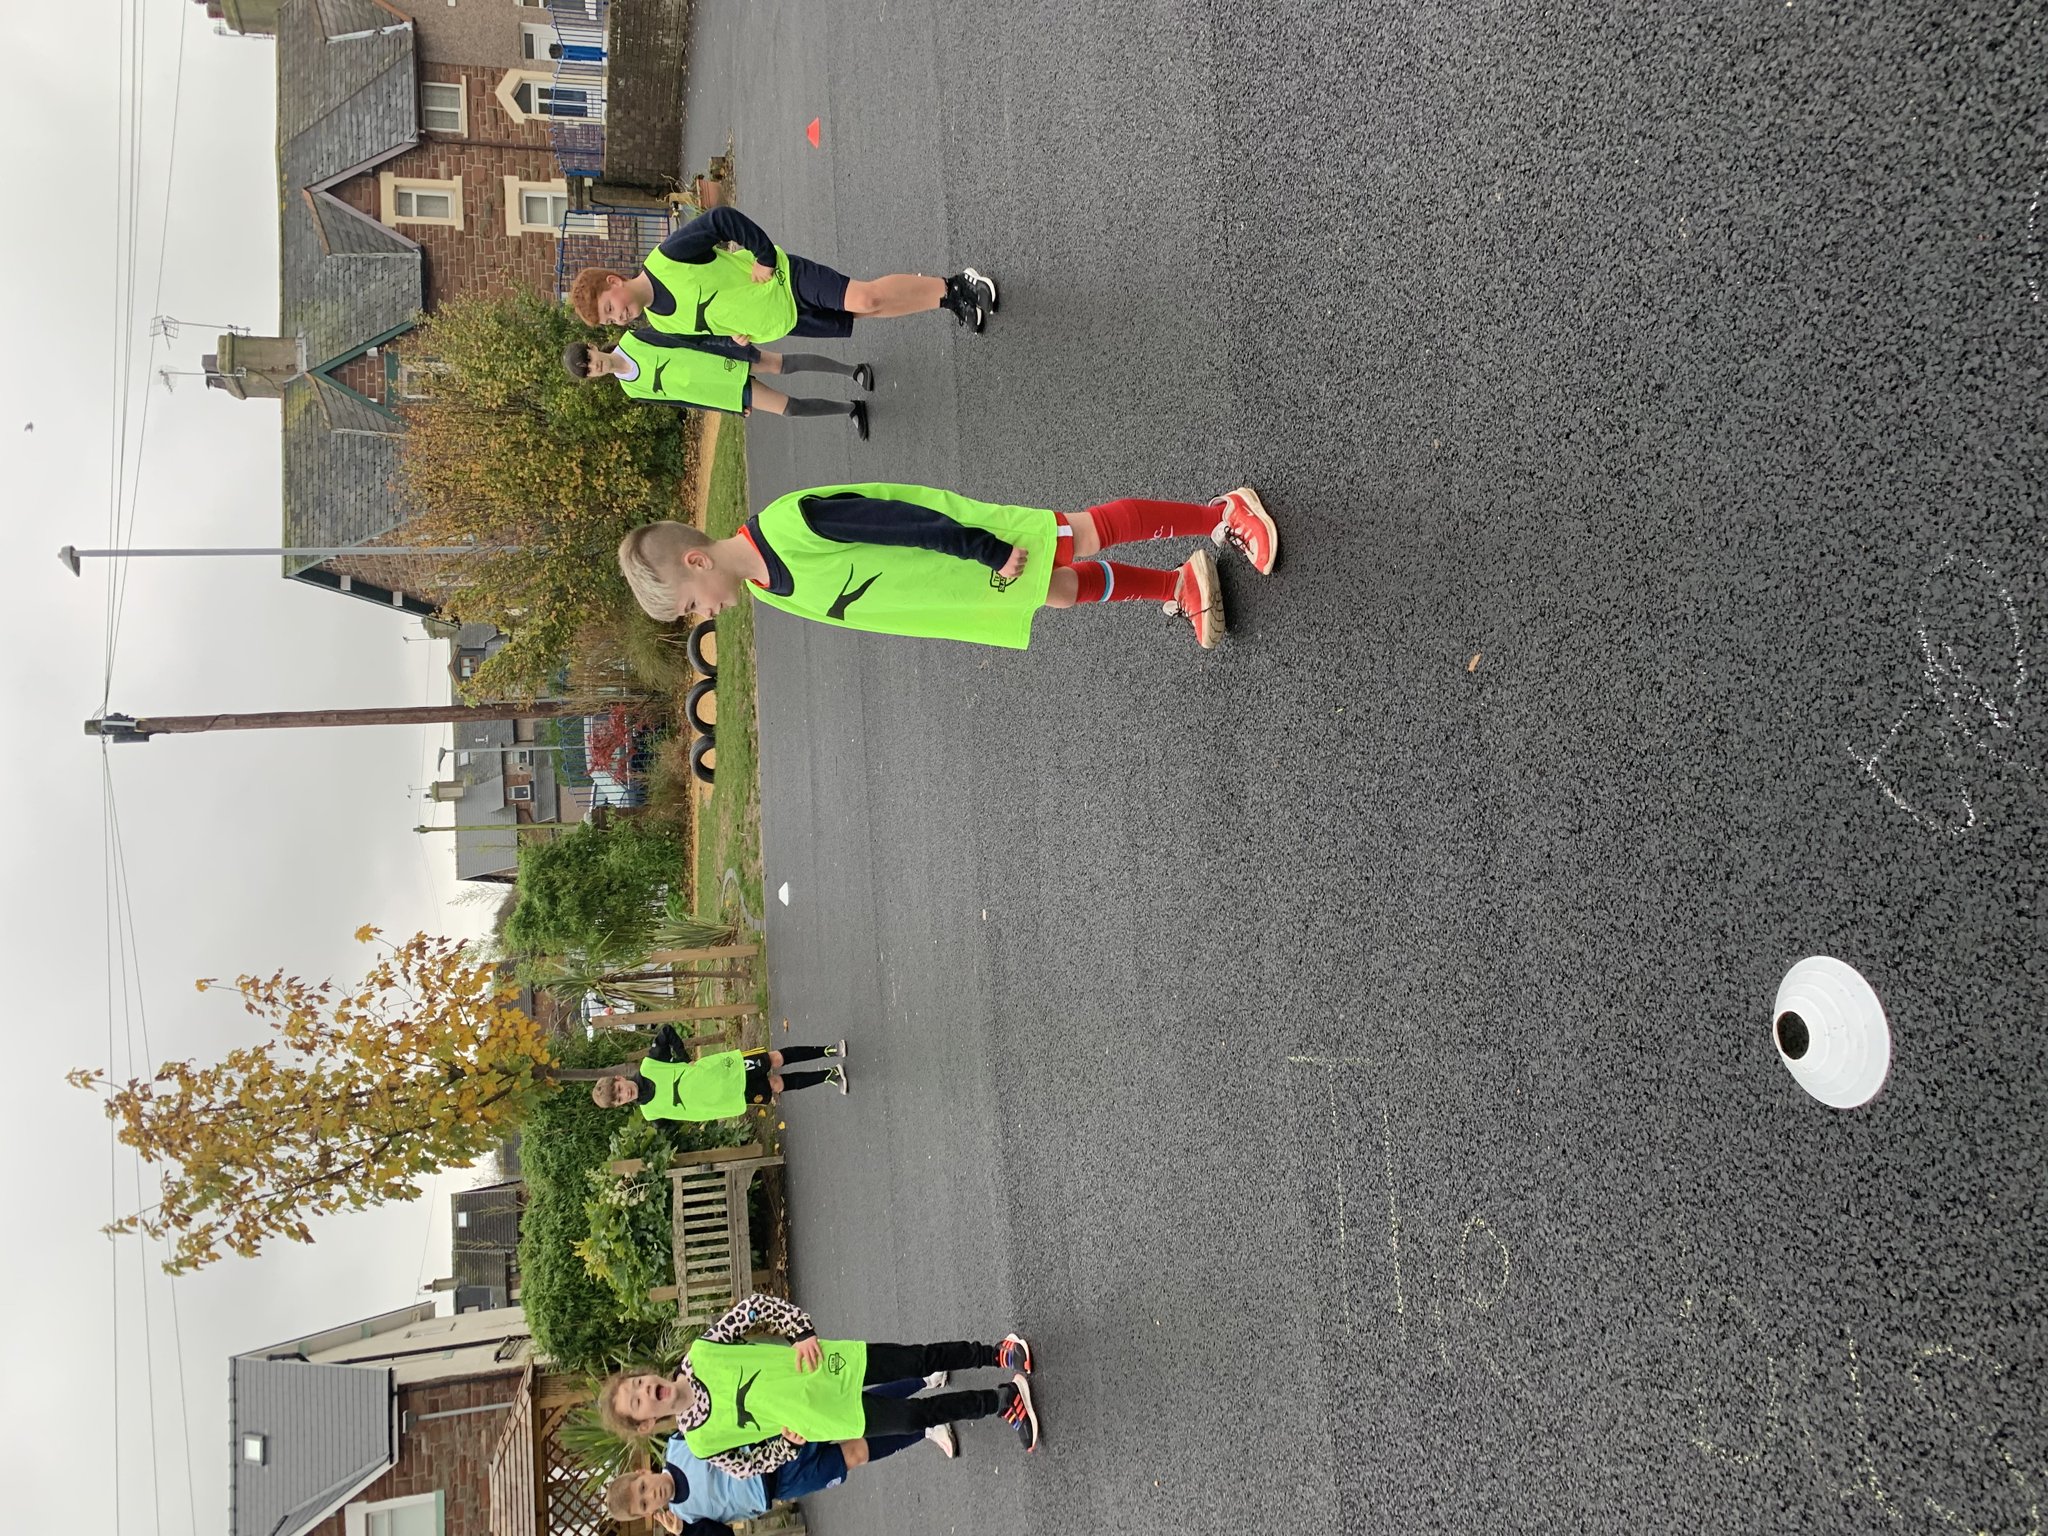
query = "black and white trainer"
{"x": 987, "y": 285}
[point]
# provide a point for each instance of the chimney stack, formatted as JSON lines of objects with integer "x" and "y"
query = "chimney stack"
{"x": 251, "y": 18}
{"x": 255, "y": 367}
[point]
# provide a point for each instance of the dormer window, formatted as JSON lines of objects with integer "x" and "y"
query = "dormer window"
{"x": 256, "y": 1449}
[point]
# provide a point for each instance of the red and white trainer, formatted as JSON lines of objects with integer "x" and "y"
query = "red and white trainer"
{"x": 1246, "y": 528}
{"x": 1014, "y": 1354}
{"x": 1198, "y": 598}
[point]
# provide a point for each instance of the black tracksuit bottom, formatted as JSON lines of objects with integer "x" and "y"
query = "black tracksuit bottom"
{"x": 915, "y": 1415}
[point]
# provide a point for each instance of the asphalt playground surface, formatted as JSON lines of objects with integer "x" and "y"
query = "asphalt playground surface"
{"x": 1351, "y": 1064}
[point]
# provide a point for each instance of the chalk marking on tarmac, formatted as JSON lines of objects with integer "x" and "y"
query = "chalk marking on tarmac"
{"x": 1393, "y": 1216}
{"x": 1994, "y": 1368}
{"x": 1480, "y": 1224}
{"x": 1700, "y": 1438}
{"x": 1982, "y": 715}
{"x": 1343, "y": 1226}
{"x": 1328, "y": 1063}
{"x": 1336, "y": 1167}
{"x": 2034, "y": 240}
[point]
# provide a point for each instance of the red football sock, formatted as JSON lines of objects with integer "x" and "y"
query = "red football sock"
{"x": 1129, "y": 519}
{"x": 1107, "y": 581}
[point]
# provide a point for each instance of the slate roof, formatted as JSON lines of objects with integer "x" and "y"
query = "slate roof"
{"x": 329, "y": 1431}
{"x": 343, "y": 106}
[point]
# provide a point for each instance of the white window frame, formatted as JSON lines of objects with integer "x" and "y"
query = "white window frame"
{"x": 412, "y": 376}
{"x": 461, "y": 91}
{"x": 389, "y": 186}
{"x": 508, "y": 96}
{"x": 540, "y": 35}
{"x": 519, "y": 794}
{"x": 355, "y": 1518}
{"x": 516, "y": 192}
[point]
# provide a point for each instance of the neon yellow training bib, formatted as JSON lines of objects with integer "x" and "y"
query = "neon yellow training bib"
{"x": 719, "y": 297}
{"x": 890, "y": 589}
{"x": 757, "y": 1392}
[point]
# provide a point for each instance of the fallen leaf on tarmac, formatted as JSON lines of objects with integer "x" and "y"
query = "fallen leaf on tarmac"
{"x": 1473, "y": 664}
{"x": 782, "y": 1125}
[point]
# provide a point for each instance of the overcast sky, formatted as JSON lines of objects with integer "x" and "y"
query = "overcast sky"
{"x": 245, "y": 852}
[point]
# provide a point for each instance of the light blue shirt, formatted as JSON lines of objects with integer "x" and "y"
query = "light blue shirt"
{"x": 711, "y": 1494}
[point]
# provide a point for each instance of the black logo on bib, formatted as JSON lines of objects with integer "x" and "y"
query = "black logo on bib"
{"x": 739, "y": 1404}
{"x": 702, "y": 305}
{"x": 835, "y": 1363}
{"x": 655, "y": 383}
{"x": 846, "y": 598}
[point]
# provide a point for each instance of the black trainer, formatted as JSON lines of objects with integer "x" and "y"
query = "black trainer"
{"x": 864, "y": 376}
{"x": 1018, "y": 1413}
{"x": 964, "y": 301}
{"x": 859, "y": 412}
{"x": 987, "y": 285}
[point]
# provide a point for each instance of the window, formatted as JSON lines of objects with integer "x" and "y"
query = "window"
{"x": 420, "y": 1514}
{"x": 415, "y": 378}
{"x": 535, "y": 207}
{"x": 443, "y": 107}
{"x": 256, "y": 1448}
{"x": 419, "y": 203}
{"x": 462, "y": 1218}
{"x": 549, "y": 100}
{"x": 522, "y": 759}
{"x": 535, "y": 39}
{"x": 413, "y": 200}
{"x": 519, "y": 792}
{"x": 534, "y": 92}
{"x": 544, "y": 208}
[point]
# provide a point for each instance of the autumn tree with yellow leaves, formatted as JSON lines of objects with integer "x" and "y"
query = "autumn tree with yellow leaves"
{"x": 357, "y": 1096}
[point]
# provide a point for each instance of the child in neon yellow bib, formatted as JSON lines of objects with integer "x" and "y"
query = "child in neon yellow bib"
{"x": 719, "y": 1086}
{"x": 911, "y": 560}
{"x": 691, "y": 285}
{"x": 708, "y": 373}
{"x": 747, "y": 1407}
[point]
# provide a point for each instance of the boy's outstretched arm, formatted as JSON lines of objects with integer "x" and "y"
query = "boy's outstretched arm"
{"x": 853, "y": 519}
{"x": 697, "y": 240}
{"x": 717, "y": 346}
{"x": 668, "y": 1045}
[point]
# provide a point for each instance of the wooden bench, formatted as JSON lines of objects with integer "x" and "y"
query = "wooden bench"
{"x": 710, "y": 1234}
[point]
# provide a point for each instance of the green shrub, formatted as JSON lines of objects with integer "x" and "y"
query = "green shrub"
{"x": 593, "y": 892}
{"x": 577, "y": 1320}
{"x": 628, "y": 1249}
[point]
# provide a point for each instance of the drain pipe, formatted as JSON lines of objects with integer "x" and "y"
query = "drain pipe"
{"x": 408, "y": 1420}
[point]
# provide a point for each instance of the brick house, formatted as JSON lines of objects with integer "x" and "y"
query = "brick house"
{"x": 405, "y": 1424}
{"x": 414, "y": 165}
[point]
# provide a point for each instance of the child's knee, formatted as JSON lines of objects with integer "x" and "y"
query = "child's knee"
{"x": 855, "y": 1452}
{"x": 860, "y": 299}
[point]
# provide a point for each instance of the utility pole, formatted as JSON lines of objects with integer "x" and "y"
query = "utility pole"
{"x": 70, "y": 555}
{"x": 132, "y": 728}
{"x": 514, "y": 827}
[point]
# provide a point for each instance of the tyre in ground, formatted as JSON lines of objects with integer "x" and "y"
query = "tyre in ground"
{"x": 706, "y": 629}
